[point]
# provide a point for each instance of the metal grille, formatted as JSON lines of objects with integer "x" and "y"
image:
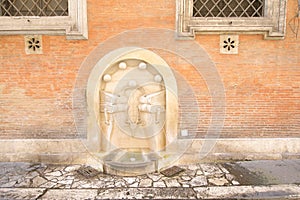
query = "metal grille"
{"x": 33, "y": 7}
{"x": 228, "y": 8}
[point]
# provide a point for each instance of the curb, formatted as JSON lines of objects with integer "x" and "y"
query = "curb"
{"x": 287, "y": 191}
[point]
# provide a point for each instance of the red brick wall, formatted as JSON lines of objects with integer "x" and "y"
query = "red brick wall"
{"x": 262, "y": 82}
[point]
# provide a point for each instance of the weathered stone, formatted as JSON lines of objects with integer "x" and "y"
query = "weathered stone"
{"x": 78, "y": 184}
{"x": 86, "y": 186}
{"x": 223, "y": 169}
{"x": 32, "y": 175}
{"x": 48, "y": 184}
{"x": 24, "y": 183}
{"x": 120, "y": 193}
{"x": 193, "y": 167}
{"x": 37, "y": 181}
{"x": 229, "y": 177}
{"x": 130, "y": 180}
{"x": 218, "y": 181}
{"x": 186, "y": 178}
{"x": 9, "y": 184}
{"x": 198, "y": 181}
{"x": 154, "y": 177}
{"x": 59, "y": 186}
{"x": 248, "y": 192}
{"x": 20, "y": 193}
{"x": 65, "y": 182}
{"x": 69, "y": 177}
{"x": 92, "y": 184}
{"x": 69, "y": 194}
{"x": 54, "y": 180}
{"x": 159, "y": 184}
{"x": 145, "y": 182}
{"x": 189, "y": 173}
{"x": 111, "y": 185}
{"x": 175, "y": 193}
{"x": 172, "y": 183}
{"x": 33, "y": 167}
{"x": 136, "y": 184}
{"x": 55, "y": 173}
{"x": 106, "y": 178}
{"x": 210, "y": 169}
{"x": 120, "y": 184}
{"x": 199, "y": 172}
{"x": 147, "y": 193}
{"x": 72, "y": 168}
{"x": 234, "y": 182}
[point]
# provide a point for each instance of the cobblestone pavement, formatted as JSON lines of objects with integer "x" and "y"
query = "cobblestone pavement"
{"x": 203, "y": 181}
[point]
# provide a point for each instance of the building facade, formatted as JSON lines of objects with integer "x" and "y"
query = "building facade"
{"x": 225, "y": 74}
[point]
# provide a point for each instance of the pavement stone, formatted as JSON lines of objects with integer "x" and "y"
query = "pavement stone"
{"x": 204, "y": 181}
{"x": 235, "y": 182}
{"x": 249, "y": 192}
{"x": 69, "y": 194}
{"x": 130, "y": 180}
{"x": 218, "y": 181}
{"x": 211, "y": 169}
{"x": 199, "y": 181}
{"x": 55, "y": 173}
{"x": 21, "y": 193}
{"x": 147, "y": 193}
{"x": 37, "y": 181}
{"x": 145, "y": 182}
{"x": 154, "y": 177}
{"x": 172, "y": 183}
{"x": 159, "y": 184}
{"x": 186, "y": 178}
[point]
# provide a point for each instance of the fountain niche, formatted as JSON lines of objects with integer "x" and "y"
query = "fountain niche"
{"x": 135, "y": 109}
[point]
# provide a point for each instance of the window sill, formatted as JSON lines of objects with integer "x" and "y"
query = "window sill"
{"x": 272, "y": 26}
{"x": 73, "y": 26}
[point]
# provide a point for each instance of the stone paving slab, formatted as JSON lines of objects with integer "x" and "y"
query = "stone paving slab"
{"x": 249, "y": 192}
{"x": 21, "y": 193}
{"x": 147, "y": 193}
{"x": 279, "y": 192}
{"x": 69, "y": 194}
{"x": 68, "y": 177}
{"x": 202, "y": 181}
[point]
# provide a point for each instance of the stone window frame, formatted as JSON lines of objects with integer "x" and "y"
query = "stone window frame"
{"x": 74, "y": 26}
{"x": 272, "y": 25}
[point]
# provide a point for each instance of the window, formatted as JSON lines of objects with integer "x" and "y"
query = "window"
{"x": 44, "y": 17}
{"x": 34, "y": 8}
{"x": 222, "y": 16}
{"x": 224, "y": 8}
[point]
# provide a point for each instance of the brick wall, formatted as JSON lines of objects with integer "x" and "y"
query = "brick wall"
{"x": 261, "y": 82}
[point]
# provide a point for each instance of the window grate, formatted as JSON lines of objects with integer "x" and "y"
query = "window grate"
{"x": 228, "y": 8}
{"x": 33, "y": 7}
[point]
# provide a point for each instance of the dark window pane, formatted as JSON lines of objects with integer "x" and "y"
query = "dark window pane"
{"x": 33, "y": 7}
{"x": 228, "y": 8}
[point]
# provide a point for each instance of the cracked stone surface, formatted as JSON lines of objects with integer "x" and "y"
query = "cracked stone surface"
{"x": 199, "y": 181}
{"x": 70, "y": 194}
{"x": 145, "y": 183}
{"x": 21, "y": 193}
{"x": 159, "y": 184}
{"x": 218, "y": 181}
{"x": 211, "y": 169}
{"x": 26, "y": 175}
{"x": 172, "y": 183}
{"x": 40, "y": 181}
